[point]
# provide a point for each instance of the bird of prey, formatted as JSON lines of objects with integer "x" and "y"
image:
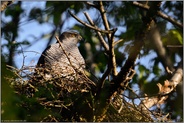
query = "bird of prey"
{"x": 63, "y": 58}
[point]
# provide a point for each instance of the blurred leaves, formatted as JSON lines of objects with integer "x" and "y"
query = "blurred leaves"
{"x": 8, "y": 108}
{"x": 173, "y": 37}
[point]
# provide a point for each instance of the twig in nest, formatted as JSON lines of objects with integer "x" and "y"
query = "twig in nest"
{"x": 63, "y": 50}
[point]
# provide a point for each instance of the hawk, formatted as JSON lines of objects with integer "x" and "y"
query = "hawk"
{"x": 63, "y": 58}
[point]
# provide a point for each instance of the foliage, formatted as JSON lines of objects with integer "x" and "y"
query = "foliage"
{"x": 115, "y": 97}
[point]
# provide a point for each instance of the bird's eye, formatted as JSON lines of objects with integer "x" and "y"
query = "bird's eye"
{"x": 73, "y": 35}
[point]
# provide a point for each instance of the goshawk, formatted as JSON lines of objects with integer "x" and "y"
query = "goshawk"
{"x": 62, "y": 59}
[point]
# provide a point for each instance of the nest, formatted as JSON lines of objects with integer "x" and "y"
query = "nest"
{"x": 70, "y": 98}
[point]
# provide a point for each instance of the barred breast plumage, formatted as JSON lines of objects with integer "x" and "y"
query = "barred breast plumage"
{"x": 62, "y": 59}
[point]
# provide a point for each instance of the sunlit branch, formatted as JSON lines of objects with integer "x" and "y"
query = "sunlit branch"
{"x": 117, "y": 42}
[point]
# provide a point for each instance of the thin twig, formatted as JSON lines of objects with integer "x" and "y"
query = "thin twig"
{"x": 64, "y": 50}
{"x": 160, "y": 14}
{"x": 91, "y": 4}
{"x": 92, "y": 27}
{"x": 23, "y": 61}
{"x": 105, "y": 45}
{"x": 174, "y": 46}
{"x": 146, "y": 7}
{"x": 117, "y": 42}
{"x": 71, "y": 62}
{"x": 173, "y": 21}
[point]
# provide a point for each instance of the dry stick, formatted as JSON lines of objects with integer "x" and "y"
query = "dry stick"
{"x": 63, "y": 50}
{"x": 110, "y": 40}
{"x": 164, "y": 16}
{"x": 92, "y": 27}
{"x": 113, "y": 57}
{"x": 71, "y": 62}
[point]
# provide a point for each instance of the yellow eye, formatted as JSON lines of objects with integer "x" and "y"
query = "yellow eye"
{"x": 73, "y": 35}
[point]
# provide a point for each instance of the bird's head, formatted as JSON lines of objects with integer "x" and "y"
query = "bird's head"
{"x": 70, "y": 36}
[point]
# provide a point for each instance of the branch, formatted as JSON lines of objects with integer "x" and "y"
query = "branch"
{"x": 112, "y": 56}
{"x": 91, "y": 4}
{"x": 110, "y": 40}
{"x": 165, "y": 89}
{"x": 98, "y": 33}
{"x": 89, "y": 26}
{"x": 117, "y": 42}
{"x": 64, "y": 51}
{"x": 168, "y": 18}
{"x": 146, "y": 7}
{"x": 104, "y": 18}
{"x": 162, "y": 15}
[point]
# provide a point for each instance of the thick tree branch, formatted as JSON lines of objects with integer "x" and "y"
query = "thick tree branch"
{"x": 160, "y": 14}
